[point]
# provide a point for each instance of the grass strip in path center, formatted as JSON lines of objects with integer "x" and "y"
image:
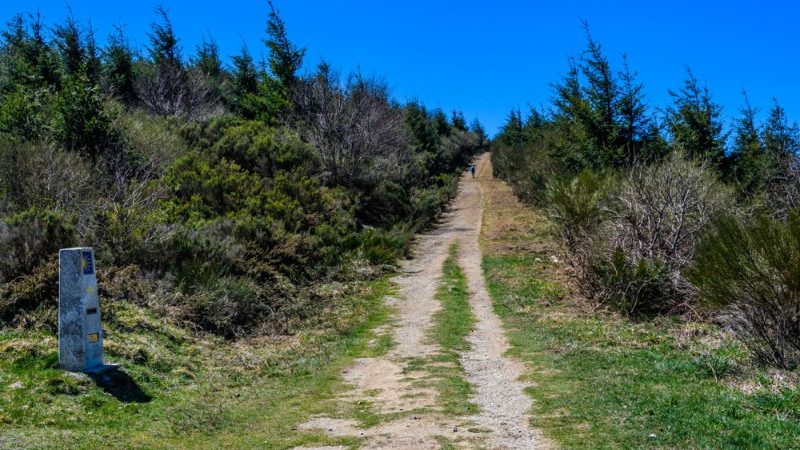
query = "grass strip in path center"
{"x": 452, "y": 325}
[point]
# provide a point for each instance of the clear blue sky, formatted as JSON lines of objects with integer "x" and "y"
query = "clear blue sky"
{"x": 488, "y": 57}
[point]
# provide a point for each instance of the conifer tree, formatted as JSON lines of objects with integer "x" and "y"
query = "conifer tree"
{"x": 477, "y": 129}
{"x": 208, "y": 61}
{"x": 164, "y": 46}
{"x": 30, "y": 62}
{"x": 602, "y": 94}
{"x": 634, "y": 122}
{"x": 458, "y": 121}
{"x": 118, "y": 65}
{"x": 750, "y": 164}
{"x": 44, "y": 59}
{"x": 245, "y": 85}
{"x": 571, "y": 115}
{"x": 93, "y": 67}
{"x": 512, "y": 132}
{"x": 285, "y": 59}
{"x": 442, "y": 125}
{"x": 569, "y": 102}
{"x": 694, "y": 122}
{"x": 70, "y": 47}
{"x": 781, "y": 138}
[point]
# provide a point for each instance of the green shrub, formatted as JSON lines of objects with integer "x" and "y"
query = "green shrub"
{"x": 263, "y": 149}
{"x": 30, "y": 237}
{"x": 386, "y": 204}
{"x": 639, "y": 288}
{"x": 24, "y": 112}
{"x": 579, "y": 205}
{"x": 202, "y": 190}
{"x": 26, "y": 293}
{"x": 80, "y": 123}
{"x": 384, "y": 247}
{"x": 751, "y": 269}
{"x": 233, "y": 306}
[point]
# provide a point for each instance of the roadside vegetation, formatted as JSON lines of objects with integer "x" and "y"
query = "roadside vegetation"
{"x": 678, "y": 238}
{"x": 603, "y": 380}
{"x": 241, "y": 213}
{"x": 667, "y": 214}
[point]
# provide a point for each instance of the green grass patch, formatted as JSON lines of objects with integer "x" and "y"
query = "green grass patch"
{"x": 451, "y": 327}
{"x": 605, "y": 382}
{"x": 199, "y": 393}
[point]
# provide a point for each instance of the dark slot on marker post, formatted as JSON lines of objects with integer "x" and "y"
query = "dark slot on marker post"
{"x": 91, "y": 311}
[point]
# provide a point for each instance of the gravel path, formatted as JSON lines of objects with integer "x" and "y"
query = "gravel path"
{"x": 502, "y": 421}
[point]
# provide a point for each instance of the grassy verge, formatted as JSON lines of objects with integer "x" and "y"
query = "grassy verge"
{"x": 451, "y": 326}
{"x": 182, "y": 391}
{"x": 602, "y": 381}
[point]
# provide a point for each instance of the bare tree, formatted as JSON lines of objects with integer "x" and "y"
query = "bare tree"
{"x": 359, "y": 134}
{"x": 662, "y": 211}
{"x": 172, "y": 91}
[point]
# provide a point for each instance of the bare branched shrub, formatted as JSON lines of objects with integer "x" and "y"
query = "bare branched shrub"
{"x": 664, "y": 208}
{"x": 751, "y": 269}
{"x": 358, "y": 132}
{"x": 635, "y": 258}
{"x": 172, "y": 91}
{"x": 39, "y": 175}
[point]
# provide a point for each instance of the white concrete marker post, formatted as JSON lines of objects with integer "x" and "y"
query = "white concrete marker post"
{"x": 80, "y": 338}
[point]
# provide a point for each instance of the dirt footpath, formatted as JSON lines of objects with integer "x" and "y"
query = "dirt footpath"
{"x": 412, "y": 419}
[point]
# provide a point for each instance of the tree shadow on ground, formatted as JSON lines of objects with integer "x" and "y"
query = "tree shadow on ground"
{"x": 120, "y": 385}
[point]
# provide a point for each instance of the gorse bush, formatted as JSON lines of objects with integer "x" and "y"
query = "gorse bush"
{"x": 579, "y": 205}
{"x": 751, "y": 270}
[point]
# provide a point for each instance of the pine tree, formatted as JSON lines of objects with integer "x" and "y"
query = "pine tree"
{"x": 208, "y": 61}
{"x": 245, "y": 85}
{"x": 602, "y": 94}
{"x": 41, "y": 56}
{"x": 572, "y": 116}
{"x": 118, "y": 67}
{"x": 477, "y": 129}
{"x": 285, "y": 59}
{"x": 634, "y": 123}
{"x": 458, "y": 121}
{"x": 751, "y": 167}
{"x": 781, "y": 138}
{"x": 92, "y": 65}
{"x": 29, "y": 61}
{"x": 164, "y": 45}
{"x": 424, "y": 138}
{"x": 442, "y": 125}
{"x": 569, "y": 102}
{"x": 70, "y": 47}
{"x": 512, "y": 133}
{"x": 694, "y": 122}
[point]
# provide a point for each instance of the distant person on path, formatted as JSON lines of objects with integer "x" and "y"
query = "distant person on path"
{"x": 472, "y": 170}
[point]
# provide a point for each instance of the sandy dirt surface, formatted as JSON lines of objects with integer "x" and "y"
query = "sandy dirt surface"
{"x": 412, "y": 418}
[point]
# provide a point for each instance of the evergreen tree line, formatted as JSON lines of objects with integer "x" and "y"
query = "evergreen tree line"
{"x": 599, "y": 119}
{"x": 666, "y": 211}
{"x": 232, "y": 193}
